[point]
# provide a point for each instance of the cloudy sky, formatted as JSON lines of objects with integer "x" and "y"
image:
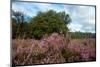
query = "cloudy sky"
{"x": 83, "y": 17}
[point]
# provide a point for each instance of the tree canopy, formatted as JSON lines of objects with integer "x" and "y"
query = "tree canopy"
{"x": 44, "y": 23}
{"x": 41, "y": 24}
{"x": 49, "y": 22}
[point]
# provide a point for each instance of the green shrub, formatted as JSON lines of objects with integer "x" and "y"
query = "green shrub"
{"x": 70, "y": 56}
{"x": 47, "y": 23}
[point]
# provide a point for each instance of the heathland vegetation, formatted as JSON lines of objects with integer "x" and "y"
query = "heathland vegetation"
{"x": 46, "y": 38}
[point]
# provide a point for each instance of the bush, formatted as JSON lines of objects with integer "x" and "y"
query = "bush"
{"x": 70, "y": 56}
{"x": 47, "y": 23}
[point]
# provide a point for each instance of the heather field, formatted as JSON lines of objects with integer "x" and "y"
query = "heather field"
{"x": 52, "y": 33}
{"x": 52, "y": 49}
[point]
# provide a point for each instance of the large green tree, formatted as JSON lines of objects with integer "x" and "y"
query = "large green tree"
{"x": 49, "y": 22}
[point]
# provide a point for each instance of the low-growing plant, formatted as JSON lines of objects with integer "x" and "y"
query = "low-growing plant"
{"x": 70, "y": 56}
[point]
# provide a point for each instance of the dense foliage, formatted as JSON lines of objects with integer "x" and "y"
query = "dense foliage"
{"x": 41, "y": 24}
{"x": 44, "y": 23}
{"x": 82, "y": 35}
{"x": 48, "y": 22}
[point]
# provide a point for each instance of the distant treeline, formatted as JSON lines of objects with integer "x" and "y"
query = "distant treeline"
{"x": 81, "y": 35}
{"x": 44, "y": 23}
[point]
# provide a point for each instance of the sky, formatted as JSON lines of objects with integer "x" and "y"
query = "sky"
{"x": 83, "y": 17}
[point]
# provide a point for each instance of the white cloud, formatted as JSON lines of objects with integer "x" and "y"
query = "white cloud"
{"x": 83, "y": 17}
{"x": 31, "y": 9}
{"x": 74, "y": 27}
